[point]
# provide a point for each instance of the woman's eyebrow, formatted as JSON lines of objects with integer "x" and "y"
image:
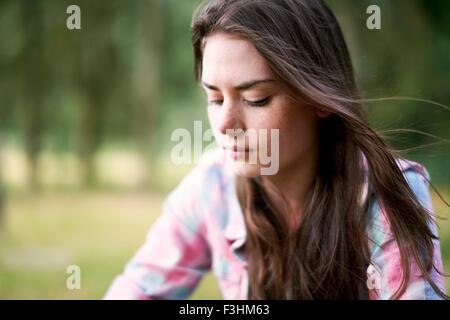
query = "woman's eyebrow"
{"x": 243, "y": 86}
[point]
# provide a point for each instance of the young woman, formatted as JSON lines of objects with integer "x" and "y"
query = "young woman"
{"x": 343, "y": 217}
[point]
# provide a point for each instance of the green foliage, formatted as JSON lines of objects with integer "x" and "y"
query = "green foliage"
{"x": 127, "y": 75}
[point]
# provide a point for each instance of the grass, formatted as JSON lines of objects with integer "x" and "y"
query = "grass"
{"x": 99, "y": 231}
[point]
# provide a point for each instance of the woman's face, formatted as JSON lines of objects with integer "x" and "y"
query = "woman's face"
{"x": 245, "y": 97}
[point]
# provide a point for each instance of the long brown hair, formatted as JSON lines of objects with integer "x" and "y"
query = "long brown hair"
{"x": 328, "y": 255}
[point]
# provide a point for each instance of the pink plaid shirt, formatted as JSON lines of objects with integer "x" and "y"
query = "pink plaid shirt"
{"x": 202, "y": 228}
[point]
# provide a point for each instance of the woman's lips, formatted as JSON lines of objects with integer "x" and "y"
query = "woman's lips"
{"x": 235, "y": 148}
{"x": 237, "y": 153}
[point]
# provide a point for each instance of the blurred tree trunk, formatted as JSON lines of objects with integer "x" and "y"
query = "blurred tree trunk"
{"x": 147, "y": 76}
{"x": 2, "y": 208}
{"x": 34, "y": 86}
{"x": 2, "y": 196}
{"x": 97, "y": 72}
{"x": 90, "y": 134}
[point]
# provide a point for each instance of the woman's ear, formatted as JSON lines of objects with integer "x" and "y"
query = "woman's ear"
{"x": 322, "y": 113}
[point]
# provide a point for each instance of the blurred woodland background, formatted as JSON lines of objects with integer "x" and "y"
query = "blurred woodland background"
{"x": 86, "y": 117}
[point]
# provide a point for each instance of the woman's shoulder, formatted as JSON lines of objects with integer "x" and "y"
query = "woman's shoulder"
{"x": 413, "y": 168}
{"x": 210, "y": 171}
{"x": 417, "y": 177}
{"x": 386, "y": 259}
{"x": 407, "y": 167}
{"x": 415, "y": 173}
{"x": 205, "y": 184}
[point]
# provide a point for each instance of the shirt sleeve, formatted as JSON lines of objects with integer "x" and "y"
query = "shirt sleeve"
{"x": 175, "y": 255}
{"x": 385, "y": 272}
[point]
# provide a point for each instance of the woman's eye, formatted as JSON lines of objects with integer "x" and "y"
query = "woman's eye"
{"x": 252, "y": 103}
{"x": 258, "y": 103}
{"x": 215, "y": 102}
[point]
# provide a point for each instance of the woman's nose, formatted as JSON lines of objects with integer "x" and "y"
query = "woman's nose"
{"x": 230, "y": 118}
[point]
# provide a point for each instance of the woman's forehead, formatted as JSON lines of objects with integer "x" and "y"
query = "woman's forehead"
{"x": 228, "y": 58}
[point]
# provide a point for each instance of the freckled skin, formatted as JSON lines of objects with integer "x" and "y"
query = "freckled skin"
{"x": 229, "y": 61}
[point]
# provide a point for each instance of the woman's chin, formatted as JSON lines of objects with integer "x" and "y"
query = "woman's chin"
{"x": 245, "y": 170}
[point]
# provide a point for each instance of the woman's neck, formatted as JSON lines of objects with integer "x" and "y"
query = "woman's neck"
{"x": 294, "y": 182}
